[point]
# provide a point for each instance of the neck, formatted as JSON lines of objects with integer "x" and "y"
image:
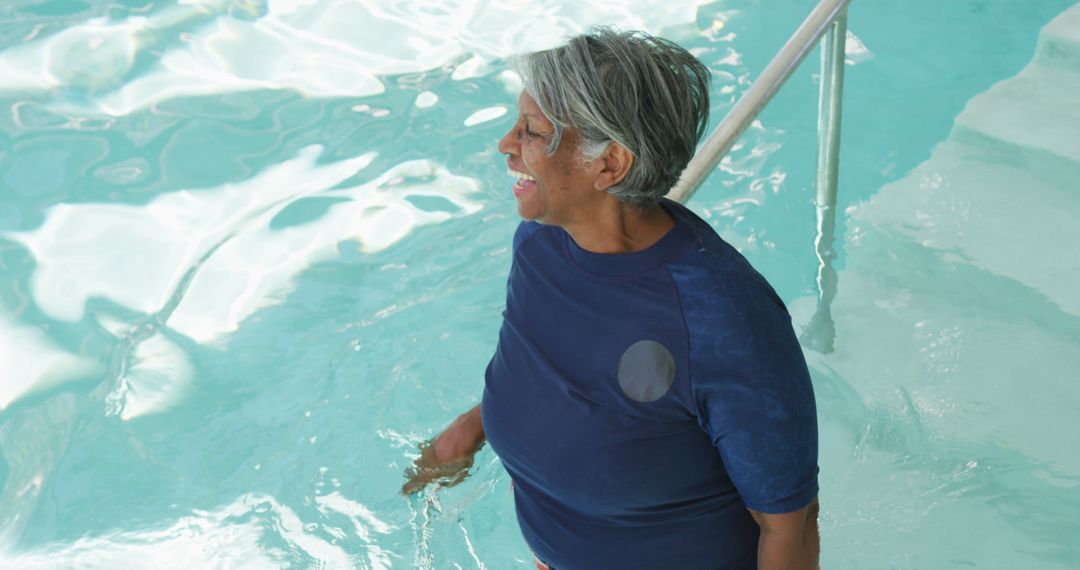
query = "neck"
{"x": 616, "y": 227}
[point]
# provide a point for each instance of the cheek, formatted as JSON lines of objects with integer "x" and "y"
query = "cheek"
{"x": 529, "y": 157}
{"x": 534, "y": 154}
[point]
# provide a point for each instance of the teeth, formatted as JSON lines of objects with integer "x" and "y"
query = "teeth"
{"x": 520, "y": 175}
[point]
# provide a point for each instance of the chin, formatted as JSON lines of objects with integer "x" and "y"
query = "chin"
{"x": 528, "y": 212}
{"x": 525, "y": 217}
{"x": 532, "y": 217}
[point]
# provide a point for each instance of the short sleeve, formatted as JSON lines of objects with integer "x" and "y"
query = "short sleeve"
{"x": 754, "y": 397}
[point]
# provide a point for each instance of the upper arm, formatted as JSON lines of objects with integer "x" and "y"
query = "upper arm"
{"x": 789, "y": 540}
{"x": 758, "y": 406}
{"x": 787, "y": 523}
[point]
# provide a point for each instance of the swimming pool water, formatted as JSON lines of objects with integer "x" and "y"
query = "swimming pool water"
{"x": 253, "y": 252}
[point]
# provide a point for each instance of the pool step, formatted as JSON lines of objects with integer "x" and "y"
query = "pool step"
{"x": 988, "y": 206}
{"x": 1004, "y": 190}
{"x": 1038, "y": 110}
{"x": 1059, "y": 41}
{"x": 965, "y": 352}
{"x": 957, "y": 321}
{"x": 966, "y": 269}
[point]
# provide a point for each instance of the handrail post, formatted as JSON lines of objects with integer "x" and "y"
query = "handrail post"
{"x": 830, "y": 109}
{"x": 820, "y": 333}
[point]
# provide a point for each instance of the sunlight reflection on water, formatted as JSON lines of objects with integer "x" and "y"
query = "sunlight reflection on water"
{"x": 333, "y": 48}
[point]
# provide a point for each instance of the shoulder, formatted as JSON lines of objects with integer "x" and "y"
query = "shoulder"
{"x": 714, "y": 275}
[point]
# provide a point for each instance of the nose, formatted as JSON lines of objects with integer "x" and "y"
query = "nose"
{"x": 508, "y": 144}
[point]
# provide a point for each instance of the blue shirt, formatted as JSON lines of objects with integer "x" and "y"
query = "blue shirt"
{"x": 642, "y": 402}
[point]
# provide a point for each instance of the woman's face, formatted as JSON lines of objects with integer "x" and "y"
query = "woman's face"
{"x": 561, "y": 188}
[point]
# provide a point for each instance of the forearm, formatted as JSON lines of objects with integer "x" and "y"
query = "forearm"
{"x": 462, "y": 437}
{"x": 473, "y": 422}
{"x": 449, "y": 456}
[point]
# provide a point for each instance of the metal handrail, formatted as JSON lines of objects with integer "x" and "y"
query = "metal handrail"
{"x": 826, "y": 24}
{"x": 823, "y": 20}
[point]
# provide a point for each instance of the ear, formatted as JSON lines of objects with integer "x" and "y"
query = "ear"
{"x": 614, "y": 164}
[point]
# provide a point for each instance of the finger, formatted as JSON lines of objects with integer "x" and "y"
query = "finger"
{"x": 414, "y": 483}
{"x": 540, "y": 565}
{"x": 453, "y": 479}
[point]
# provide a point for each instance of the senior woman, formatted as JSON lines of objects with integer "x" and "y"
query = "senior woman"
{"x": 648, "y": 396}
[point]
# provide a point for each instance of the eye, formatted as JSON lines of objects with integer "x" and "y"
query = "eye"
{"x": 525, "y": 132}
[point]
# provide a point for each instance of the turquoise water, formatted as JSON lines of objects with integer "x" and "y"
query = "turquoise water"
{"x": 253, "y": 253}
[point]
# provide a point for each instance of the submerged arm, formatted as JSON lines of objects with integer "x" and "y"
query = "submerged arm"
{"x": 448, "y": 457}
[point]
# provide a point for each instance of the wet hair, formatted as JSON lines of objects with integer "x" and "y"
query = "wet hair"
{"x": 643, "y": 92}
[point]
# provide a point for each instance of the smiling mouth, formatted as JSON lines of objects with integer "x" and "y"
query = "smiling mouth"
{"x": 521, "y": 176}
{"x": 525, "y": 183}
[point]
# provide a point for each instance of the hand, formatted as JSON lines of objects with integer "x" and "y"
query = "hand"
{"x": 446, "y": 459}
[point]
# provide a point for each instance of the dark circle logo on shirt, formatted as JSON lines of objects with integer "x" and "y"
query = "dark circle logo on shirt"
{"x": 646, "y": 371}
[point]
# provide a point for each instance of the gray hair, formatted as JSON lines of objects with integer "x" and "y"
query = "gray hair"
{"x": 645, "y": 93}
